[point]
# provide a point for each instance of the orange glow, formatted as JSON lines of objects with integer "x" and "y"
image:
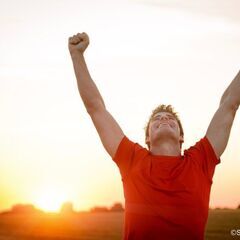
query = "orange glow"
{"x": 50, "y": 199}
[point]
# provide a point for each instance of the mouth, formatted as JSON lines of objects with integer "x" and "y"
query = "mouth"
{"x": 163, "y": 124}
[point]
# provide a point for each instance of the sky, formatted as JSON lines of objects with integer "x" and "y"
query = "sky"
{"x": 141, "y": 54}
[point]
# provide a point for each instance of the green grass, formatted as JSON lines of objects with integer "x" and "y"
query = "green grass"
{"x": 97, "y": 226}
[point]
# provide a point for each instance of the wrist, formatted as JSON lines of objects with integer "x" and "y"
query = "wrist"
{"x": 75, "y": 53}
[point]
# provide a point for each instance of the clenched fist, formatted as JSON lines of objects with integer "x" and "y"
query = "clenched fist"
{"x": 78, "y": 42}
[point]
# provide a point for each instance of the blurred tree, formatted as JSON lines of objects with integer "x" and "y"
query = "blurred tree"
{"x": 99, "y": 209}
{"x": 117, "y": 207}
{"x": 67, "y": 208}
{"x": 24, "y": 209}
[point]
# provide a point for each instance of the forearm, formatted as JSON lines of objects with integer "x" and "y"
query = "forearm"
{"x": 88, "y": 90}
{"x": 232, "y": 93}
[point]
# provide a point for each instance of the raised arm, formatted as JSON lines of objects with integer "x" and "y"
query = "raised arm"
{"x": 219, "y": 129}
{"x": 108, "y": 129}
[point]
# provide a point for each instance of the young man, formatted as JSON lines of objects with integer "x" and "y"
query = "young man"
{"x": 166, "y": 193}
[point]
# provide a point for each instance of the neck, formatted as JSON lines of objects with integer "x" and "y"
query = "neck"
{"x": 165, "y": 148}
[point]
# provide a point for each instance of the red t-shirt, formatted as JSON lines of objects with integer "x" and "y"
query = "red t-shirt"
{"x": 166, "y": 197}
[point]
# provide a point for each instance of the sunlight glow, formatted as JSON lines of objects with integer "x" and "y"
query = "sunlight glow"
{"x": 50, "y": 200}
{"x": 142, "y": 53}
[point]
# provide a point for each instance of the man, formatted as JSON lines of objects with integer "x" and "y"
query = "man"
{"x": 166, "y": 193}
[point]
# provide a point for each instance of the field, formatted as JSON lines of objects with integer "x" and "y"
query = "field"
{"x": 97, "y": 226}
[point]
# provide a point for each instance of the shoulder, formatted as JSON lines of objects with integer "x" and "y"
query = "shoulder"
{"x": 202, "y": 149}
{"x": 127, "y": 146}
{"x": 203, "y": 156}
{"x": 202, "y": 153}
{"x": 128, "y": 154}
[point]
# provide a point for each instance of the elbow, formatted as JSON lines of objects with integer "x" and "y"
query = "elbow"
{"x": 231, "y": 102}
{"x": 94, "y": 107}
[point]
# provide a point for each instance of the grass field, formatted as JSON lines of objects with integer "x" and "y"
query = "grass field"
{"x": 97, "y": 226}
{"x": 220, "y": 224}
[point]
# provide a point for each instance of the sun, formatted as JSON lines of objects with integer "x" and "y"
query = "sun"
{"x": 50, "y": 199}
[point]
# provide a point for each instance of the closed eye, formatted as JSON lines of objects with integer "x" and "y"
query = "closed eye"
{"x": 159, "y": 117}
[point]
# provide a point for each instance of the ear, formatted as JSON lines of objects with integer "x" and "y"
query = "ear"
{"x": 147, "y": 140}
{"x": 181, "y": 139}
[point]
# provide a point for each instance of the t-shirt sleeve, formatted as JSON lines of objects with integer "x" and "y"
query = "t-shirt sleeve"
{"x": 202, "y": 153}
{"x": 125, "y": 156}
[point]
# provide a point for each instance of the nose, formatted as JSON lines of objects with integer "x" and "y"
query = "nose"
{"x": 164, "y": 118}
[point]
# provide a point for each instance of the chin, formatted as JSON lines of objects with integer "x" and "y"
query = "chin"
{"x": 166, "y": 136}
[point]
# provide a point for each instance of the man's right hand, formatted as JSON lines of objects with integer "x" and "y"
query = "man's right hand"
{"x": 78, "y": 43}
{"x": 108, "y": 129}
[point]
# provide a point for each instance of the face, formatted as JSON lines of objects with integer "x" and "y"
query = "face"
{"x": 164, "y": 124}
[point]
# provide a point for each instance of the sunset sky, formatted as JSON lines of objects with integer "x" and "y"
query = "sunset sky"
{"x": 141, "y": 54}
